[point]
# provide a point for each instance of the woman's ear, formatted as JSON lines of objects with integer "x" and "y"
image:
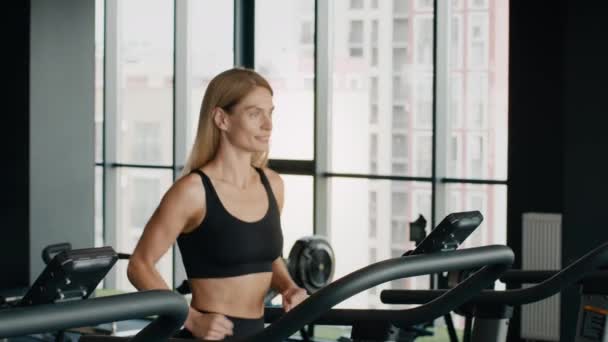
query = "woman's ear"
{"x": 220, "y": 117}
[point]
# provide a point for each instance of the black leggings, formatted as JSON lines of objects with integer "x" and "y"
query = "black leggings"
{"x": 243, "y": 327}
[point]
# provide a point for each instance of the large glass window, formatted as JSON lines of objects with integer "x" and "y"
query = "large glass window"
{"x": 375, "y": 215}
{"x": 138, "y": 193}
{"x": 145, "y": 90}
{"x": 288, "y": 64}
{"x": 384, "y": 118}
{"x": 209, "y": 54}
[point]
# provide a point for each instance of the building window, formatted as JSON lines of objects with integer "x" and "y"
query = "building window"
{"x": 476, "y": 152}
{"x": 478, "y": 40}
{"x": 373, "y": 90}
{"x": 307, "y": 32}
{"x": 400, "y": 90}
{"x": 374, "y": 35}
{"x": 399, "y": 116}
{"x": 424, "y": 102}
{"x": 424, "y": 40}
{"x": 424, "y": 147}
{"x": 400, "y": 6}
{"x": 373, "y": 153}
{"x": 399, "y": 59}
{"x": 456, "y": 41}
{"x": 373, "y": 114}
{"x": 374, "y": 58}
{"x": 146, "y": 142}
{"x": 399, "y": 204}
{"x": 399, "y": 146}
{"x": 356, "y": 4}
{"x": 424, "y": 5}
{"x": 478, "y": 97}
{"x": 373, "y": 209}
{"x": 399, "y": 168}
{"x": 355, "y": 35}
{"x": 400, "y": 30}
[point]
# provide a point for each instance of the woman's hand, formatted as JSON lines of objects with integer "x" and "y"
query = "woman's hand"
{"x": 208, "y": 326}
{"x": 292, "y": 297}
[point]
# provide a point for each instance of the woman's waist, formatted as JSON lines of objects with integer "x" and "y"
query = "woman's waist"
{"x": 242, "y": 297}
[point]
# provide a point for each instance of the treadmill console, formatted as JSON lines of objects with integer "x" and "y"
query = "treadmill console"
{"x": 450, "y": 233}
{"x": 70, "y": 275}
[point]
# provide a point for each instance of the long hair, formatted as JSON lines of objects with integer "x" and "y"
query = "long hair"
{"x": 224, "y": 91}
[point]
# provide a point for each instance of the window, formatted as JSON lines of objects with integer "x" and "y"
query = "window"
{"x": 399, "y": 202}
{"x": 373, "y": 153}
{"x": 400, "y": 6}
{"x": 399, "y": 59}
{"x": 477, "y": 99}
{"x": 373, "y": 116}
{"x": 455, "y": 157}
{"x": 373, "y": 209}
{"x": 424, "y": 101}
{"x": 456, "y": 95}
{"x": 356, "y": 4}
{"x": 373, "y": 90}
{"x": 374, "y": 37}
{"x": 307, "y": 33}
{"x": 424, "y": 5}
{"x": 147, "y": 191}
{"x": 478, "y": 40}
{"x": 399, "y": 117}
{"x": 289, "y": 69}
{"x": 400, "y": 30}
{"x": 424, "y": 147}
{"x": 355, "y": 35}
{"x": 476, "y": 151}
{"x": 479, "y": 4}
{"x": 401, "y": 90}
{"x": 374, "y": 58}
{"x": 391, "y": 92}
{"x": 356, "y": 52}
{"x": 424, "y": 40}
{"x": 398, "y": 232}
{"x": 399, "y": 168}
{"x": 456, "y": 41}
{"x": 399, "y": 146}
{"x": 209, "y": 55}
{"x": 146, "y": 142}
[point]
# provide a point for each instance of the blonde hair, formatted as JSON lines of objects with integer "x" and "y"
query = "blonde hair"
{"x": 225, "y": 91}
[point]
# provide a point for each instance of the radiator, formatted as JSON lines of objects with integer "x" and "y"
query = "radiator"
{"x": 541, "y": 250}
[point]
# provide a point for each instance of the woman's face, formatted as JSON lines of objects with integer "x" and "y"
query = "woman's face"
{"x": 250, "y": 124}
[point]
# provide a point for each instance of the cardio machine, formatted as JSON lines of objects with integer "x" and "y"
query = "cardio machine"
{"x": 489, "y": 312}
{"x": 172, "y": 310}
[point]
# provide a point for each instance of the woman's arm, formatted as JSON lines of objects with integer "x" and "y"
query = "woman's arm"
{"x": 181, "y": 208}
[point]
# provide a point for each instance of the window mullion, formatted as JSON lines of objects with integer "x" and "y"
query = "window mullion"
{"x": 323, "y": 101}
{"x": 441, "y": 113}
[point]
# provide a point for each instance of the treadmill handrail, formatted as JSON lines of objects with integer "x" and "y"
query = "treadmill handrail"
{"x": 171, "y": 308}
{"x": 518, "y": 277}
{"x": 497, "y": 257}
{"x": 579, "y": 269}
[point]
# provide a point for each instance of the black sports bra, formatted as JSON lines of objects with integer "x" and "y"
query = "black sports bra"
{"x": 225, "y": 246}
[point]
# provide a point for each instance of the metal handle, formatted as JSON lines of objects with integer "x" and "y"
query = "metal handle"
{"x": 171, "y": 308}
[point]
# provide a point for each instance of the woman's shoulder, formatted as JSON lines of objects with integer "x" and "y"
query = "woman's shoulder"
{"x": 187, "y": 188}
{"x": 273, "y": 177}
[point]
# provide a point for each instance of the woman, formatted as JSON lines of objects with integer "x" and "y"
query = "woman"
{"x": 224, "y": 214}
